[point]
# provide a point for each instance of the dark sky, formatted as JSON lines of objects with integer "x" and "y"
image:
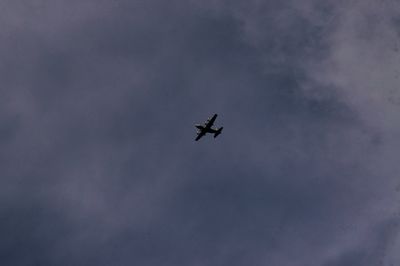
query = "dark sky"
{"x": 98, "y": 163}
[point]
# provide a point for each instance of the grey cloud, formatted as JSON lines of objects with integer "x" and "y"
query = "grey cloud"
{"x": 99, "y": 166}
{"x": 374, "y": 251}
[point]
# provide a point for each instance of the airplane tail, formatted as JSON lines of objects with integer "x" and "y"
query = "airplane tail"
{"x": 219, "y": 130}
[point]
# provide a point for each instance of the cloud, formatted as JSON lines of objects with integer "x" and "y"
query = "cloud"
{"x": 361, "y": 67}
{"x": 97, "y": 111}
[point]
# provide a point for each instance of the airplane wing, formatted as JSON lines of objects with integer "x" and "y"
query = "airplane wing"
{"x": 200, "y": 134}
{"x": 209, "y": 123}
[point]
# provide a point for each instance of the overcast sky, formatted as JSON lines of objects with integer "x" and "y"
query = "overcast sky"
{"x": 98, "y": 163}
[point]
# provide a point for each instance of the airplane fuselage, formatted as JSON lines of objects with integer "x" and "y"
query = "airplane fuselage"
{"x": 206, "y": 129}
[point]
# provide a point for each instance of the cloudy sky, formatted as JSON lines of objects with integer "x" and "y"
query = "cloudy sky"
{"x": 98, "y": 163}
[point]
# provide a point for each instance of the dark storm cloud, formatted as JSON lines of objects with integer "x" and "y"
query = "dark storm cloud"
{"x": 98, "y": 162}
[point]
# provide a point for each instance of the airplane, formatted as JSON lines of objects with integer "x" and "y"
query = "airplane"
{"x": 207, "y": 128}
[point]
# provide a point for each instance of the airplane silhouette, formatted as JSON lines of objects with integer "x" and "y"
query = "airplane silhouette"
{"x": 207, "y": 128}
